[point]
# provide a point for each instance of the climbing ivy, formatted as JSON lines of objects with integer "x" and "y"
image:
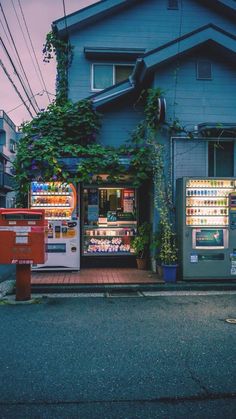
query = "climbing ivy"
{"x": 62, "y": 50}
{"x": 163, "y": 200}
{"x": 71, "y": 130}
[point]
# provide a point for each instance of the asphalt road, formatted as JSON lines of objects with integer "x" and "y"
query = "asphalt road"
{"x": 148, "y": 357}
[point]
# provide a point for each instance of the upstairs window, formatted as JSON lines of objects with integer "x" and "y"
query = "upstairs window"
{"x": 204, "y": 70}
{"x": 173, "y": 4}
{"x": 221, "y": 158}
{"x": 106, "y": 75}
{"x": 12, "y": 146}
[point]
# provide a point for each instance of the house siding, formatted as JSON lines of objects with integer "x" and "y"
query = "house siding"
{"x": 146, "y": 25}
{"x": 189, "y": 158}
{"x": 195, "y": 101}
{"x": 118, "y": 122}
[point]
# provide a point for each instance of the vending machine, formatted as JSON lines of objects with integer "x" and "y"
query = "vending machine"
{"x": 206, "y": 228}
{"x": 60, "y": 201}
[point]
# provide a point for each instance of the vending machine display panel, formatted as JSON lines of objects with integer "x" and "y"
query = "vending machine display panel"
{"x": 209, "y": 238}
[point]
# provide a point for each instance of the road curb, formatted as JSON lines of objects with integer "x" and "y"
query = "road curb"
{"x": 99, "y": 288}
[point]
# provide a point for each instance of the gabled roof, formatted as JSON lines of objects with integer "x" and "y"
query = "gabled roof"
{"x": 205, "y": 35}
{"x": 104, "y": 8}
{"x": 90, "y": 14}
{"x": 208, "y": 36}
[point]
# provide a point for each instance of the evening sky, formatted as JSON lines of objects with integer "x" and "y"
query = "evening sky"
{"x": 39, "y": 16}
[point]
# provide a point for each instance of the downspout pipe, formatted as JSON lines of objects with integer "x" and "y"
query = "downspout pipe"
{"x": 137, "y": 69}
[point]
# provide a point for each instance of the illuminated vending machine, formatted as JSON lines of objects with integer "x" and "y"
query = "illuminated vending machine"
{"x": 60, "y": 203}
{"x": 206, "y": 228}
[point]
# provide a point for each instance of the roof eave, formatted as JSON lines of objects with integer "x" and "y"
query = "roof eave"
{"x": 88, "y": 15}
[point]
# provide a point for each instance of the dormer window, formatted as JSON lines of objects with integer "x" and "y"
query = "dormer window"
{"x": 106, "y": 75}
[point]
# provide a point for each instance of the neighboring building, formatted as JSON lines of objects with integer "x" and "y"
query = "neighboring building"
{"x": 187, "y": 48}
{"x": 8, "y": 144}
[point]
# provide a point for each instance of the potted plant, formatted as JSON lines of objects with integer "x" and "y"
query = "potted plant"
{"x": 168, "y": 253}
{"x": 141, "y": 243}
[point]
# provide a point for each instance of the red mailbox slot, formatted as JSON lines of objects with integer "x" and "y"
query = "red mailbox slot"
{"x": 22, "y": 242}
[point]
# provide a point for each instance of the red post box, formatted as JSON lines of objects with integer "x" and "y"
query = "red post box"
{"x": 22, "y": 242}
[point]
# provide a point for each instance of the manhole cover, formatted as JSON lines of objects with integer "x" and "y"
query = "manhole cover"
{"x": 232, "y": 321}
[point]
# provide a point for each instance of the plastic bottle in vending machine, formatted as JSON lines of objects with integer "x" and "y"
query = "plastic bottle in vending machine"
{"x": 34, "y": 187}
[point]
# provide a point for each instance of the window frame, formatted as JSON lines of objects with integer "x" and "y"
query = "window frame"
{"x": 114, "y": 65}
{"x": 198, "y": 62}
{"x": 12, "y": 146}
{"x": 215, "y": 157}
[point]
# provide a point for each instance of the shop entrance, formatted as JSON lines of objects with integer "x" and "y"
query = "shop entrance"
{"x": 108, "y": 224}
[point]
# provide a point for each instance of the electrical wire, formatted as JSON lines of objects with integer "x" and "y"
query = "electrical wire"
{"x": 64, "y": 11}
{"x": 67, "y": 36}
{"x": 26, "y": 44}
{"x": 32, "y": 46}
{"x": 5, "y": 32}
{"x": 178, "y": 59}
{"x": 21, "y": 104}
{"x": 16, "y": 72}
{"x": 20, "y": 62}
{"x": 16, "y": 89}
{"x": 36, "y": 94}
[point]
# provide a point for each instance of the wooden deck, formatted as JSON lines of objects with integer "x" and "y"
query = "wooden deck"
{"x": 96, "y": 276}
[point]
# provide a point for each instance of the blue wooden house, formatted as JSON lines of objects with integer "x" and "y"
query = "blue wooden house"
{"x": 185, "y": 47}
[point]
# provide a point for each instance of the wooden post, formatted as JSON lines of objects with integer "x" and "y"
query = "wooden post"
{"x": 23, "y": 282}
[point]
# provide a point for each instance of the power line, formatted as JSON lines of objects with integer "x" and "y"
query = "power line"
{"x": 21, "y": 104}
{"x": 31, "y": 43}
{"x": 16, "y": 89}
{"x": 16, "y": 72}
{"x": 67, "y": 38}
{"x": 20, "y": 62}
{"x": 37, "y": 94}
{"x": 6, "y": 34}
{"x": 64, "y": 11}
{"x": 36, "y": 71}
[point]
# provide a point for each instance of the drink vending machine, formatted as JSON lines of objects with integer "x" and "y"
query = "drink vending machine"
{"x": 61, "y": 211}
{"x": 206, "y": 228}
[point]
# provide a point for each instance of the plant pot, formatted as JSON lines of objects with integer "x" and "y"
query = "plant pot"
{"x": 141, "y": 263}
{"x": 169, "y": 272}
